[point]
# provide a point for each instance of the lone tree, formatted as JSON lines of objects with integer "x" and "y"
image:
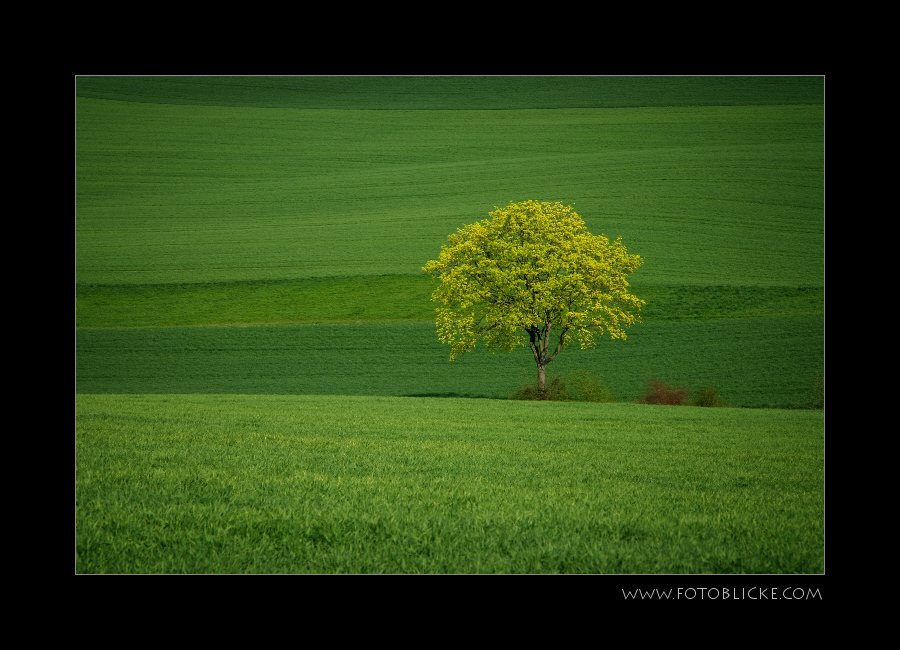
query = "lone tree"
{"x": 532, "y": 269}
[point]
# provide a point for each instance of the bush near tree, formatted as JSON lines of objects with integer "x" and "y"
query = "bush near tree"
{"x": 708, "y": 396}
{"x": 659, "y": 392}
{"x": 578, "y": 386}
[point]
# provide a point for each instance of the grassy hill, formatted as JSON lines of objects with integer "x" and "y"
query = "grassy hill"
{"x": 183, "y": 193}
{"x": 299, "y": 207}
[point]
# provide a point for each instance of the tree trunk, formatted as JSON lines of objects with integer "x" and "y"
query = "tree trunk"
{"x": 540, "y": 343}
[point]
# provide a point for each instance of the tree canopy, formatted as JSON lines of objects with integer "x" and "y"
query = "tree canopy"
{"x": 530, "y": 270}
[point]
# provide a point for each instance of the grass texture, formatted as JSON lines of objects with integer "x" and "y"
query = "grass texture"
{"x": 385, "y": 299}
{"x": 297, "y": 484}
{"x": 455, "y": 93}
{"x": 710, "y": 195}
{"x": 753, "y": 362}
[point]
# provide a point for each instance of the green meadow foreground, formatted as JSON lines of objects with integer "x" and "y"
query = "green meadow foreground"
{"x": 323, "y": 484}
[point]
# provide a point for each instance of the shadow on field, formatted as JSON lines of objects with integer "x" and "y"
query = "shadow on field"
{"x": 465, "y": 395}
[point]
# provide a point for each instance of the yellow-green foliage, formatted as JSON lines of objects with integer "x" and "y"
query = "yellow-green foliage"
{"x": 531, "y": 269}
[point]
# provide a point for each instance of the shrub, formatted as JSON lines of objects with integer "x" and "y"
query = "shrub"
{"x": 708, "y": 396}
{"x": 659, "y": 392}
{"x": 586, "y": 387}
{"x": 556, "y": 391}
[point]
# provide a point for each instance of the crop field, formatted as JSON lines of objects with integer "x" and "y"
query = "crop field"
{"x": 249, "y": 257}
{"x": 269, "y": 484}
{"x": 708, "y": 195}
{"x": 778, "y": 357}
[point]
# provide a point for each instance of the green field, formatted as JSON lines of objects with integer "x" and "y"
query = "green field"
{"x": 761, "y": 362}
{"x": 708, "y": 195}
{"x": 266, "y": 237}
{"x": 271, "y": 484}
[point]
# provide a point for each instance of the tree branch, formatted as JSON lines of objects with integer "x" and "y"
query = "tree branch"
{"x": 537, "y": 357}
{"x": 558, "y": 345}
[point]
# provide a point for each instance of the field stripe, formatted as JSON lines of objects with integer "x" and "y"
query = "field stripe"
{"x": 386, "y": 298}
{"x": 752, "y": 362}
{"x": 456, "y": 93}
